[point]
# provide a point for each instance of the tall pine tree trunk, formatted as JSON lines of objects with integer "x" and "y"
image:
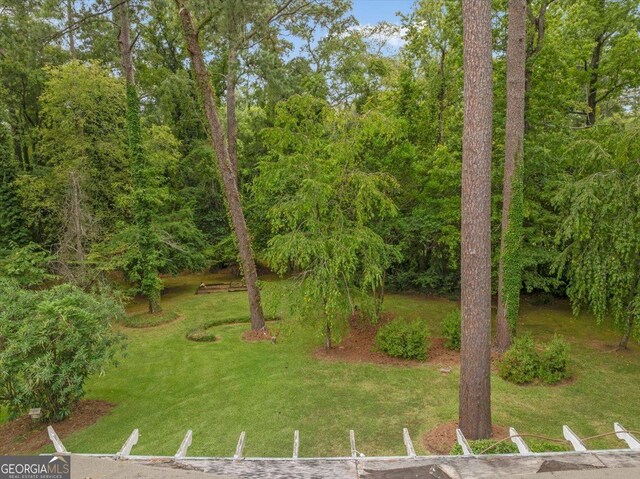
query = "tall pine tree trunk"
{"x": 509, "y": 270}
{"x": 475, "y": 354}
{"x": 150, "y": 283}
{"x": 227, "y": 173}
{"x": 232, "y": 122}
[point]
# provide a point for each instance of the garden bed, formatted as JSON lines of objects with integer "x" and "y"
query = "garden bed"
{"x": 442, "y": 438}
{"x": 203, "y": 334}
{"x": 261, "y": 335}
{"x": 359, "y": 346}
{"x": 24, "y": 436}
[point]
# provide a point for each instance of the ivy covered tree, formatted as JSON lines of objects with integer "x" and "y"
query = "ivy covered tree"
{"x": 178, "y": 245}
{"x": 146, "y": 266}
{"x": 509, "y": 266}
{"x": 323, "y": 205}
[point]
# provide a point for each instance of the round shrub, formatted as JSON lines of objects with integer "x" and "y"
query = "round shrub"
{"x": 524, "y": 363}
{"x": 452, "y": 330}
{"x": 554, "y": 360}
{"x": 404, "y": 339}
{"x": 202, "y": 335}
{"x": 521, "y": 363}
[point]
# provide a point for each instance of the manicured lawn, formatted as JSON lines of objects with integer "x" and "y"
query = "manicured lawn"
{"x": 167, "y": 384}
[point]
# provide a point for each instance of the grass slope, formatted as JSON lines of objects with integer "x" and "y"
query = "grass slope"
{"x": 168, "y": 384}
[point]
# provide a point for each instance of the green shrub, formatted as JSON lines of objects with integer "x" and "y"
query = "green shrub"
{"x": 404, "y": 339}
{"x": 27, "y": 266}
{"x": 554, "y": 360}
{"x": 477, "y": 446}
{"x": 545, "y": 446}
{"x": 202, "y": 335}
{"x": 452, "y": 330}
{"x": 51, "y": 341}
{"x": 521, "y": 363}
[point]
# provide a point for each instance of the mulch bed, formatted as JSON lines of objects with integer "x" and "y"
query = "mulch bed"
{"x": 261, "y": 335}
{"x": 23, "y": 436}
{"x": 442, "y": 438}
{"x": 359, "y": 347}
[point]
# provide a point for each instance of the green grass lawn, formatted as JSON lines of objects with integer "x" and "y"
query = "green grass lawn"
{"x": 167, "y": 384}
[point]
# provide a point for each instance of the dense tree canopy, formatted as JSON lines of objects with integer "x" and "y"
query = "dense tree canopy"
{"x": 328, "y": 135}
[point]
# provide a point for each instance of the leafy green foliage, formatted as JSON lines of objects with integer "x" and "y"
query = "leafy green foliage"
{"x": 492, "y": 446}
{"x": 404, "y": 339}
{"x": 600, "y": 232}
{"x": 512, "y": 254}
{"x": 479, "y": 445}
{"x": 452, "y": 330}
{"x": 51, "y": 341}
{"x": 322, "y": 205}
{"x": 146, "y": 264}
{"x": 27, "y": 266}
{"x": 202, "y": 335}
{"x": 523, "y": 363}
{"x": 11, "y": 221}
{"x": 554, "y": 361}
{"x": 170, "y": 242}
{"x": 82, "y": 132}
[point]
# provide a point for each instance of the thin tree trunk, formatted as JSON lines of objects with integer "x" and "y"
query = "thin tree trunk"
{"x": 77, "y": 217}
{"x": 627, "y": 334}
{"x": 509, "y": 300}
{"x": 124, "y": 44}
{"x": 72, "y": 41}
{"x": 592, "y": 95}
{"x": 442, "y": 91}
{"x": 475, "y": 355}
{"x": 327, "y": 336}
{"x": 232, "y": 194}
{"x": 71, "y": 253}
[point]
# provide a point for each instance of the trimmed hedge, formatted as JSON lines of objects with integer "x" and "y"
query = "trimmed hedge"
{"x": 202, "y": 333}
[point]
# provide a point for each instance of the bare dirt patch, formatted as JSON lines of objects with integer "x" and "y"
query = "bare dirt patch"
{"x": 442, "y": 438}
{"x": 261, "y": 335}
{"x": 23, "y": 436}
{"x": 606, "y": 347}
{"x": 359, "y": 347}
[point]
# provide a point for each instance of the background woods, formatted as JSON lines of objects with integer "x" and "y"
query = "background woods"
{"x": 476, "y": 149}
